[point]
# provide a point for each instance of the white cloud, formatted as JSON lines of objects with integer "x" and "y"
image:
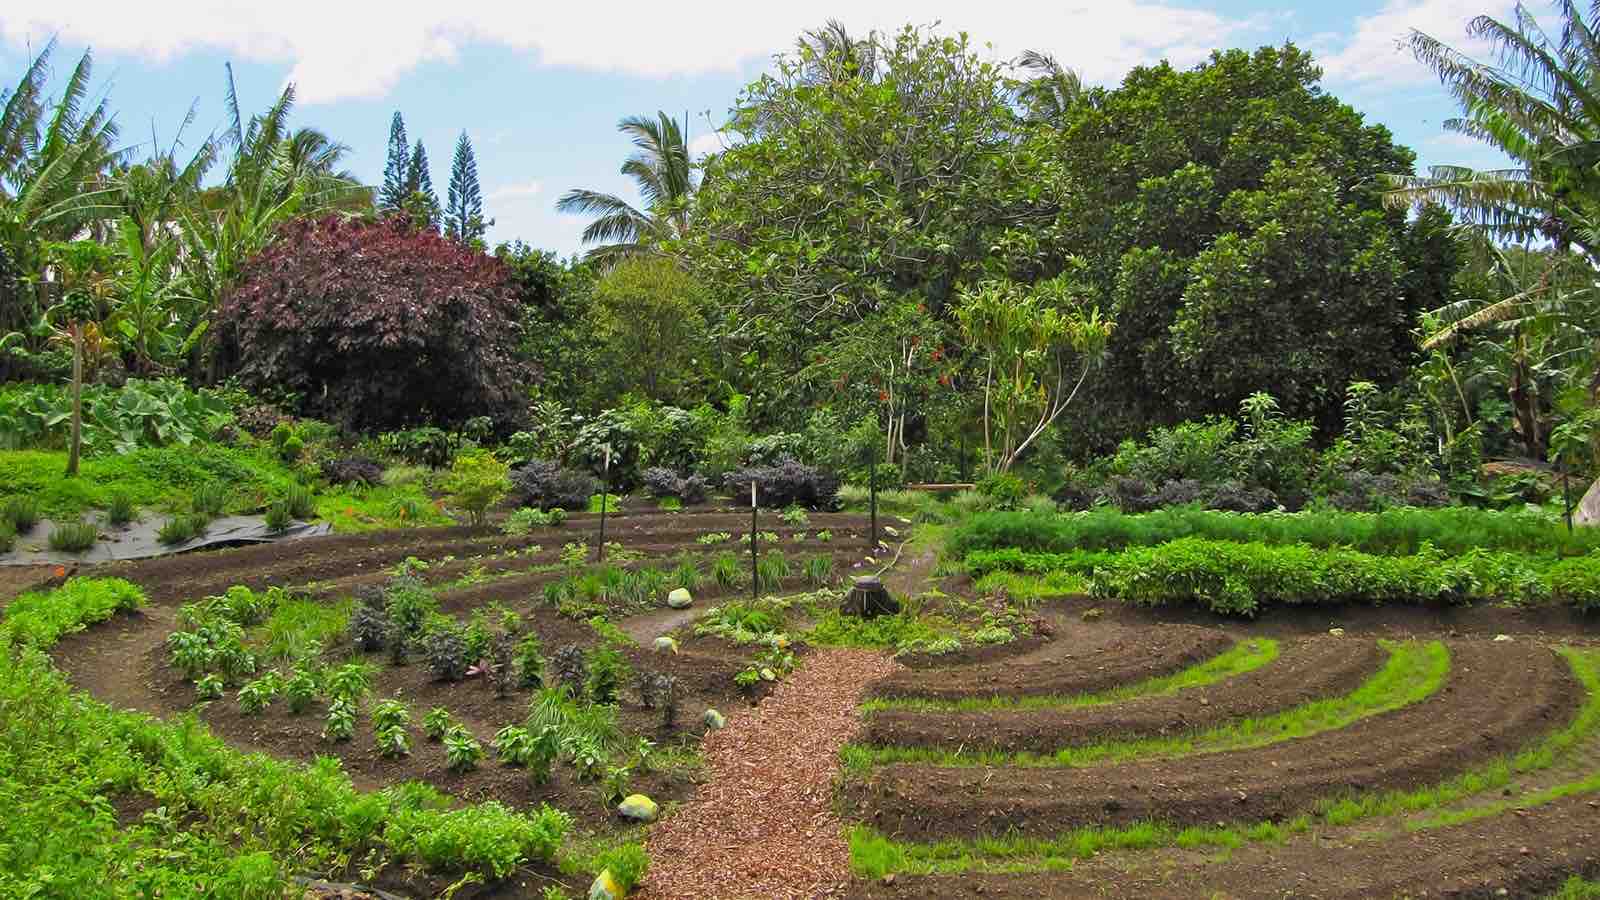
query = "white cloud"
{"x": 1376, "y": 52}
{"x": 516, "y": 191}
{"x": 360, "y": 48}
{"x": 710, "y": 142}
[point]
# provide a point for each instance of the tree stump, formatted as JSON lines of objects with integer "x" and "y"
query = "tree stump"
{"x": 869, "y": 599}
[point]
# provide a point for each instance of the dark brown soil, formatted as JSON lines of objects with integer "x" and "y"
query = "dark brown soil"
{"x": 1079, "y": 659}
{"x": 1516, "y": 854}
{"x": 1498, "y": 697}
{"x": 1304, "y": 671}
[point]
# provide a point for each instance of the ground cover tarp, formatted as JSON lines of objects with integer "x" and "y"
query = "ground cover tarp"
{"x": 137, "y": 540}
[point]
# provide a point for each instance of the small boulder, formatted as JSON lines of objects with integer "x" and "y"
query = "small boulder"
{"x": 1502, "y": 639}
{"x": 638, "y": 807}
{"x": 713, "y": 720}
{"x": 1336, "y": 632}
{"x": 679, "y": 598}
{"x": 605, "y": 887}
{"x": 665, "y": 644}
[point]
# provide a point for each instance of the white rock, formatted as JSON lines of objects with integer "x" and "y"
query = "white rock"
{"x": 1502, "y": 639}
{"x": 665, "y": 644}
{"x": 679, "y": 598}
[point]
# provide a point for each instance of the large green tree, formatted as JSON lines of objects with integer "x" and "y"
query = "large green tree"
{"x": 1174, "y": 189}
{"x": 666, "y": 178}
{"x": 887, "y": 173}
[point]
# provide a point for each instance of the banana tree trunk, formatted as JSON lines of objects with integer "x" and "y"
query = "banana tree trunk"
{"x": 77, "y": 400}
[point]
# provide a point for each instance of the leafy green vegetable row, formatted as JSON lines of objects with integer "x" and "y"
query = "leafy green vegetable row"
{"x": 1395, "y": 532}
{"x": 1239, "y": 578}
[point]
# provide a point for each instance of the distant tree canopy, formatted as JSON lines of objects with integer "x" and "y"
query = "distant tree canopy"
{"x": 1227, "y": 217}
{"x": 376, "y": 325}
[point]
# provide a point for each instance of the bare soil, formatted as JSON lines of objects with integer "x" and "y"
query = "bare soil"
{"x": 1305, "y": 670}
{"x": 1081, "y": 658}
{"x": 1498, "y": 697}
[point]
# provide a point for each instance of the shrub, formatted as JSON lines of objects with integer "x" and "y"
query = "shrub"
{"x": 40, "y": 619}
{"x": 789, "y": 483}
{"x": 392, "y": 741}
{"x": 660, "y": 482}
{"x": 607, "y": 671}
{"x": 1005, "y": 489}
{"x": 436, "y": 723}
{"x": 428, "y": 446}
{"x": 1576, "y": 581}
{"x": 528, "y": 660}
{"x": 477, "y": 481}
{"x": 1234, "y": 496}
{"x": 349, "y": 682}
{"x": 390, "y": 714}
{"x": 445, "y": 649}
{"x": 341, "y": 721}
{"x": 120, "y": 509}
{"x": 257, "y": 695}
{"x": 353, "y": 470}
{"x": 571, "y": 669}
{"x": 727, "y": 570}
{"x": 375, "y": 325}
{"x": 461, "y": 750}
{"x": 8, "y": 536}
{"x": 487, "y": 838}
{"x": 300, "y": 690}
{"x": 514, "y": 745}
{"x": 545, "y": 484}
{"x": 627, "y": 864}
{"x": 528, "y": 518}
{"x": 771, "y": 568}
{"x": 73, "y": 537}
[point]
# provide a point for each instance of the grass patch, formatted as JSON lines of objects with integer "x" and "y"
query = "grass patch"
{"x": 356, "y": 508}
{"x": 1245, "y": 656}
{"x": 1578, "y": 889}
{"x": 1030, "y": 588}
{"x": 162, "y": 477}
{"x": 298, "y": 629}
{"x": 1413, "y": 672}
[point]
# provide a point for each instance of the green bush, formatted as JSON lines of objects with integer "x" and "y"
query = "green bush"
{"x": 73, "y": 537}
{"x": 627, "y": 864}
{"x": 301, "y": 501}
{"x": 1004, "y": 489}
{"x": 181, "y": 528}
{"x": 1576, "y": 581}
{"x": 115, "y": 420}
{"x": 476, "y": 482}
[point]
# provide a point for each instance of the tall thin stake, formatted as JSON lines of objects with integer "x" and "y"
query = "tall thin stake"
{"x": 755, "y": 581}
{"x": 605, "y": 488}
{"x": 1566, "y": 498}
{"x": 872, "y": 482}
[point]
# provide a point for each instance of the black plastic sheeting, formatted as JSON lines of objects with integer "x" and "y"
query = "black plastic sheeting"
{"x": 137, "y": 540}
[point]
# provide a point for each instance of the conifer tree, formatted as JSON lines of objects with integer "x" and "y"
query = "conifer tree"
{"x": 422, "y": 203}
{"x": 393, "y": 194}
{"x": 463, "y": 213}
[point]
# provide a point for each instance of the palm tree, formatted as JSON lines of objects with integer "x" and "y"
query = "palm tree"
{"x": 1049, "y": 90}
{"x": 1539, "y": 105}
{"x": 831, "y": 53}
{"x": 666, "y": 180}
{"x": 52, "y": 165}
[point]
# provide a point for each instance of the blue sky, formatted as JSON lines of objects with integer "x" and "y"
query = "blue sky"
{"x": 540, "y": 90}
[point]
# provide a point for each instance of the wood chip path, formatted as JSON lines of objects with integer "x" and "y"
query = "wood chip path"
{"x": 763, "y": 824}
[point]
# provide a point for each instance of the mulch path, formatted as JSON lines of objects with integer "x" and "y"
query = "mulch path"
{"x": 763, "y": 824}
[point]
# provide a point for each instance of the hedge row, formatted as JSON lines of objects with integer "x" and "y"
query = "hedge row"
{"x": 1239, "y": 578}
{"x": 1396, "y": 532}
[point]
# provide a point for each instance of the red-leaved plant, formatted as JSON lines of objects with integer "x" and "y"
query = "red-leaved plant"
{"x": 375, "y": 325}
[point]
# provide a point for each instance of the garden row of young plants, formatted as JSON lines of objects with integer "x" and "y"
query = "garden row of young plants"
{"x": 221, "y": 821}
{"x": 1235, "y": 564}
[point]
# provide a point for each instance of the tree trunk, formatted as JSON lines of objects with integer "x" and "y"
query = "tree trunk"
{"x": 77, "y": 400}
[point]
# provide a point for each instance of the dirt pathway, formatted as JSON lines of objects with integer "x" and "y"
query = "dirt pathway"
{"x": 763, "y": 825}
